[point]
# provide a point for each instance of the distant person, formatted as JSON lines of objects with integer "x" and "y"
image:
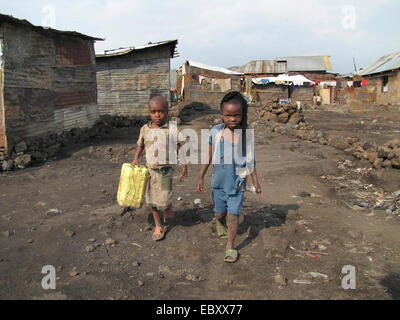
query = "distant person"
{"x": 159, "y": 186}
{"x": 229, "y": 177}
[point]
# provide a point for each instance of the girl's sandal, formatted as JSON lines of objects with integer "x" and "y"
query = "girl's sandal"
{"x": 222, "y": 231}
{"x": 231, "y": 255}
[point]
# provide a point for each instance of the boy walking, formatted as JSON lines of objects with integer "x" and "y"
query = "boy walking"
{"x": 155, "y": 139}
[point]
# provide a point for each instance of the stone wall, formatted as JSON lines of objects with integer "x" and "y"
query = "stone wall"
{"x": 38, "y": 149}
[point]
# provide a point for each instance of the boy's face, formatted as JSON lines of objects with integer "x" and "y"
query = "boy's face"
{"x": 232, "y": 114}
{"x": 158, "y": 112}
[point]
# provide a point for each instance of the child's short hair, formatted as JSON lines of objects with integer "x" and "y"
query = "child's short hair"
{"x": 159, "y": 97}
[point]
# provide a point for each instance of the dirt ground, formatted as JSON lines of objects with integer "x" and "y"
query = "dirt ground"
{"x": 294, "y": 239}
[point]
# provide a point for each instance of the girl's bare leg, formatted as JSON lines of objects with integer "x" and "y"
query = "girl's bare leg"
{"x": 233, "y": 224}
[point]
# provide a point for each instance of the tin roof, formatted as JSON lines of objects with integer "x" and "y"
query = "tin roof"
{"x": 123, "y": 51}
{"x": 213, "y": 68}
{"x": 307, "y": 63}
{"x": 11, "y": 19}
{"x": 262, "y": 67}
{"x": 386, "y": 63}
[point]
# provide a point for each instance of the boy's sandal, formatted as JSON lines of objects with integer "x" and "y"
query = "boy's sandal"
{"x": 222, "y": 231}
{"x": 231, "y": 255}
{"x": 159, "y": 236}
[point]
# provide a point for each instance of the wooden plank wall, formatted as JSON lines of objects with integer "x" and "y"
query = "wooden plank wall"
{"x": 2, "y": 127}
{"x": 43, "y": 74}
{"x": 304, "y": 94}
{"x": 126, "y": 83}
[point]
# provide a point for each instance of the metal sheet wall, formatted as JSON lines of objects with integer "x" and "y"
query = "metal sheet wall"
{"x": 76, "y": 117}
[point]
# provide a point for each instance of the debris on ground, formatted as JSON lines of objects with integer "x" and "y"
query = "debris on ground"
{"x": 311, "y": 277}
{"x": 362, "y": 196}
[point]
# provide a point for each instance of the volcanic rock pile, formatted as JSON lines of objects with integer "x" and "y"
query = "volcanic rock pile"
{"x": 282, "y": 113}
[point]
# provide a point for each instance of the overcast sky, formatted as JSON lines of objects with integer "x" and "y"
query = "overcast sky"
{"x": 227, "y": 33}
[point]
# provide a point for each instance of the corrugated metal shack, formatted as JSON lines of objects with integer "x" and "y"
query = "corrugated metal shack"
{"x": 263, "y": 68}
{"x": 378, "y": 83}
{"x": 312, "y": 67}
{"x": 197, "y": 82}
{"x": 48, "y": 81}
{"x": 314, "y": 64}
{"x": 128, "y": 77}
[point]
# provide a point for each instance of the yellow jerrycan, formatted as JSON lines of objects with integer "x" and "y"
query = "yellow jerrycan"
{"x": 132, "y": 185}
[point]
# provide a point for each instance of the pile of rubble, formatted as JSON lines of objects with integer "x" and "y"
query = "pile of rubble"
{"x": 282, "y": 113}
{"x": 385, "y": 156}
{"x": 38, "y": 149}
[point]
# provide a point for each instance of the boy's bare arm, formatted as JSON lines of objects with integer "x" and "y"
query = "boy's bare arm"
{"x": 203, "y": 170}
{"x": 139, "y": 151}
{"x": 182, "y": 159}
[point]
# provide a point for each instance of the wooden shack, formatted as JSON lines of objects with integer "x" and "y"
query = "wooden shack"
{"x": 312, "y": 67}
{"x": 48, "y": 81}
{"x": 127, "y": 78}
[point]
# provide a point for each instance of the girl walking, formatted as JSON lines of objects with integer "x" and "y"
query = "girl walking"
{"x": 230, "y": 169}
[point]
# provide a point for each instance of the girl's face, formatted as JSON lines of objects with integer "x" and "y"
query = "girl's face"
{"x": 232, "y": 114}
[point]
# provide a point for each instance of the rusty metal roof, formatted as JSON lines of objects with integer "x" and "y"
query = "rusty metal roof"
{"x": 386, "y": 63}
{"x": 11, "y": 19}
{"x": 286, "y": 64}
{"x": 262, "y": 67}
{"x": 307, "y": 63}
{"x": 123, "y": 51}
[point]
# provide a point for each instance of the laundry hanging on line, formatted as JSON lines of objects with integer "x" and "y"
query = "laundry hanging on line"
{"x": 328, "y": 83}
{"x": 283, "y": 79}
{"x": 224, "y": 84}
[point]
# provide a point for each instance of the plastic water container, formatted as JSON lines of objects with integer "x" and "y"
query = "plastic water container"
{"x": 132, "y": 185}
